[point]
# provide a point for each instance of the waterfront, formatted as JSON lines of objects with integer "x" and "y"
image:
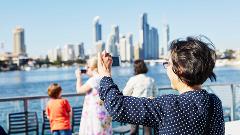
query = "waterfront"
{"x": 35, "y": 82}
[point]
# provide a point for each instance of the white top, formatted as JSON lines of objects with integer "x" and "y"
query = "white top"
{"x": 140, "y": 86}
{"x": 232, "y": 127}
{"x": 94, "y": 82}
{"x": 95, "y": 119}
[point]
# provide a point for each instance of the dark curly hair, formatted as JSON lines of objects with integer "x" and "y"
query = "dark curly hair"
{"x": 193, "y": 59}
{"x": 140, "y": 67}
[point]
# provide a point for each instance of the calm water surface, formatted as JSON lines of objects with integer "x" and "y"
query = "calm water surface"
{"x": 35, "y": 82}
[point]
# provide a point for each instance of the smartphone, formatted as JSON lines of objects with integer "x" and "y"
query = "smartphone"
{"x": 116, "y": 61}
{"x": 83, "y": 71}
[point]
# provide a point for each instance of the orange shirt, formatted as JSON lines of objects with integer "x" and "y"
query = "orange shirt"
{"x": 58, "y": 112}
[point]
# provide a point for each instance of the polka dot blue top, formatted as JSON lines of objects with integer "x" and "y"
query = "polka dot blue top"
{"x": 193, "y": 112}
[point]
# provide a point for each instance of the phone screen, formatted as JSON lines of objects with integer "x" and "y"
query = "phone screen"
{"x": 116, "y": 61}
{"x": 83, "y": 71}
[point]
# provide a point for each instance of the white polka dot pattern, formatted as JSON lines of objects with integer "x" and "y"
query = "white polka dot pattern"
{"x": 188, "y": 113}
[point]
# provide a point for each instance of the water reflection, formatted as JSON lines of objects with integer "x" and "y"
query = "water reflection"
{"x": 35, "y": 82}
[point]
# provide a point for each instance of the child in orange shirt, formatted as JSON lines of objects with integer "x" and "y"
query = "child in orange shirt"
{"x": 58, "y": 111}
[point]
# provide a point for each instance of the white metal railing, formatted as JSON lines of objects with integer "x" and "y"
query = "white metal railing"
{"x": 233, "y": 89}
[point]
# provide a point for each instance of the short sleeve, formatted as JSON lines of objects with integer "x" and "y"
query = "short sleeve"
{"x": 47, "y": 111}
{"x": 67, "y": 106}
{"x": 93, "y": 82}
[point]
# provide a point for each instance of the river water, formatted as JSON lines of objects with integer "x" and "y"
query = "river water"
{"x": 35, "y": 82}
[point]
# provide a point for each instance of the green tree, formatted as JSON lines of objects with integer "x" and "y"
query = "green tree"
{"x": 58, "y": 62}
{"x": 229, "y": 53}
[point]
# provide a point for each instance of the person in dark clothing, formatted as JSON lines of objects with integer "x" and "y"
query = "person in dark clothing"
{"x": 193, "y": 111}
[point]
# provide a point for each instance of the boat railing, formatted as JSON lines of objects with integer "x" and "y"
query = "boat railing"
{"x": 231, "y": 93}
{"x": 230, "y": 100}
{"x": 26, "y": 99}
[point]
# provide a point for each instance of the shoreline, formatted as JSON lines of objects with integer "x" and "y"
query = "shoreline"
{"x": 227, "y": 63}
{"x": 219, "y": 63}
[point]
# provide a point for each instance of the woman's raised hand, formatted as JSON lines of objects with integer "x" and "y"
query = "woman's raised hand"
{"x": 78, "y": 73}
{"x": 104, "y": 64}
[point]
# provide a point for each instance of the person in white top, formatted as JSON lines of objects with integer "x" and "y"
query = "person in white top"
{"x": 95, "y": 119}
{"x": 140, "y": 85}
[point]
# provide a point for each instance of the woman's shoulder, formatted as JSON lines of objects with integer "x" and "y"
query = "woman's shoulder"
{"x": 56, "y": 101}
{"x": 61, "y": 100}
{"x": 167, "y": 98}
{"x": 149, "y": 79}
{"x": 94, "y": 81}
{"x": 96, "y": 78}
{"x": 214, "y": 98}
{"x": 140, "y": 76}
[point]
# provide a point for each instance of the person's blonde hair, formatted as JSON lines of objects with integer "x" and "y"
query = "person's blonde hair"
{"x": 92, "y": 63}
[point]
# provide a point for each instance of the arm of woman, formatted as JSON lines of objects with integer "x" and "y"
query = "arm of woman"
{"x": 140, "y": 111}
{"x": 80, "y": 87}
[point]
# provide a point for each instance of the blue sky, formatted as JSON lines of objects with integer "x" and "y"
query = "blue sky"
{"x": 51, "y": 23}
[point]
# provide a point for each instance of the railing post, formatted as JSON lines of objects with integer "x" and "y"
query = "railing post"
{"x": 25, "y": 103}
{"x": 233, "y": 105}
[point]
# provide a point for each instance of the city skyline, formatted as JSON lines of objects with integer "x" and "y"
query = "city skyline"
{"x": 47, "y": 27}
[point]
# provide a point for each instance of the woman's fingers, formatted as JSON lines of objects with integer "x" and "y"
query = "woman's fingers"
{"x": 100, "y": 61}
{"x": 104, "y": 63}
{"x": 104, "y": 53}
{"x": 78, "y": 73}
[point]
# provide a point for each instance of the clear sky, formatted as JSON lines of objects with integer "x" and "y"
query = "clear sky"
{"x": 52, "y": 23}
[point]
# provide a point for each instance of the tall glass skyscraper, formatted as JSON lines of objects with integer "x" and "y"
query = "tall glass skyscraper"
{"x": 153, "y": 43}
{"x": 115, "y": 31}
{"x": 136, "y": 51}
{"x": 122, "y": 48}
{"x": 165, "y": 39}
{"x": 111, "y": 46}
{"x": 129, "y": 47}
{"x": 97, "y": 30}
{"x": 126, "y": 48}
{"x": 144, "y": 37}
{"x": 80, "y": 51}
{"x": 113, "y": 41}
{"x": 100, "y": 46}
{"x": 19, "y": 47}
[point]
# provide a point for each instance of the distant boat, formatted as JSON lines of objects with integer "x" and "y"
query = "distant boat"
{"x": 28, "y": 68}
{"x": 225, "y": 62}
{"x": 152, "y": 63}
{"x": 125, "y": 64}
{"x": 220, "y": 63}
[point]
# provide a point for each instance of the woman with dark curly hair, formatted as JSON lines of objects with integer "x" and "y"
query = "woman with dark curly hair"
{"x": 193, "y": 111}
